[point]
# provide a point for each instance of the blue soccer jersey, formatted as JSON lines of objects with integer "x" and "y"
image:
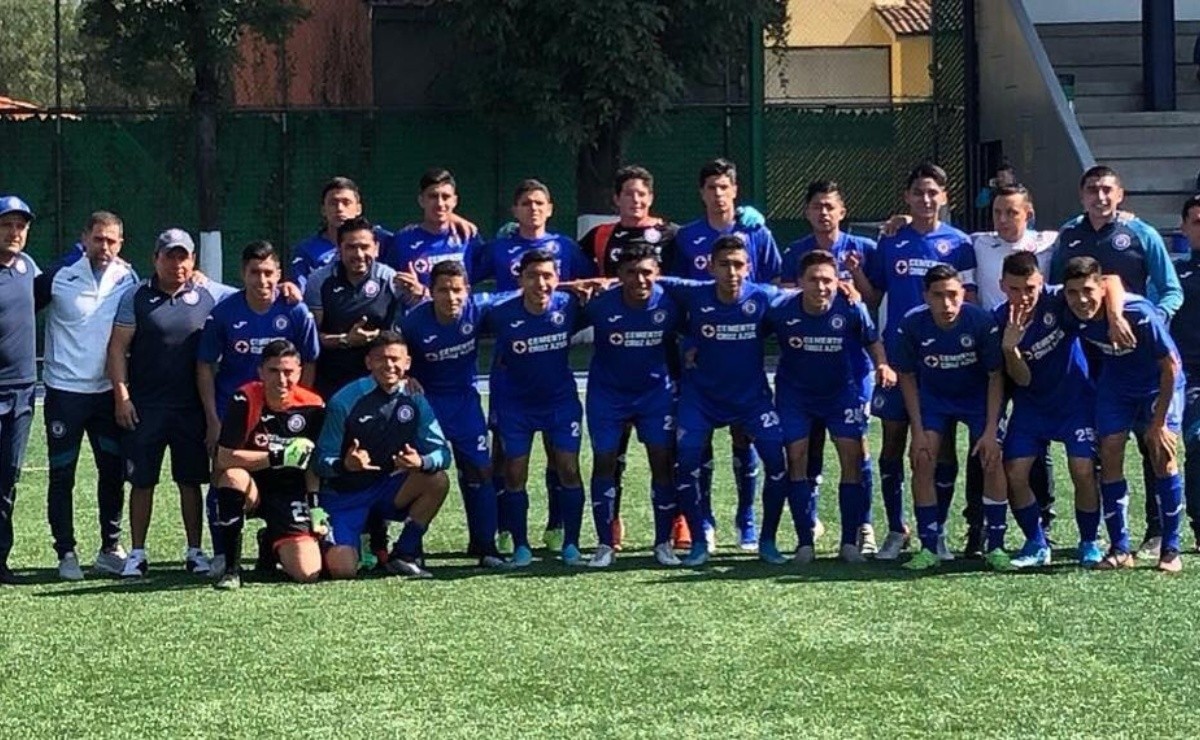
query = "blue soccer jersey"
{"x": 531, "y": 366}
{"x": 898, "y": 267}
{"x": 844, "y": 246}
{"x": 234, "y": 336}
{"x": 951, "y": 364}
{"x": 630, "y": 356}
{"x": 501, "y": 260}
{"x": 416, "y": 248}
{"x": 1057, "y": 366}
{"x": 1129, "y": 373}
{"x": 693, "y": 247}
{"x": 445, "y": 355}
{"x": 819, "y": 353}
{"x": 309, "y": 256}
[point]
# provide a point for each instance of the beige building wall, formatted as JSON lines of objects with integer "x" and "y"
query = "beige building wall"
{"x": 911, "y": 69}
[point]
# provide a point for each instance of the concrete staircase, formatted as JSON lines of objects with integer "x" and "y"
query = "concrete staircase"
{"x": 1157, "y": 154}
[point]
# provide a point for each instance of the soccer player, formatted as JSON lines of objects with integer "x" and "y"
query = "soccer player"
{"x": 948, "y": 355}
{"x": 436, "y": 239}
{"x": 18, "y": 366}
{"x": 443, "y": 334}
{"x": 352, "y": 299}
{"x": 533, "y": 390}
{"x": 1185, "y": 330}
{"x": 822, "y": 338}
{"x": 724, "y": 383}
{"x": 267, "y": 440}
{"x": 381, "y": 450}
{"x": 629, "y": 385}
{"x": 155, "y": 336}
{"x": 232, "y": 340}
{"x": 633, "y": 197}
{"x": 1138, "y": 389}
{"x": 898, "y": 269}
{"x": 81, "y": 301}
{"x": 693, "y": 246}
{"x": 340, "y": 200}
{"x": 1133, "y": 250}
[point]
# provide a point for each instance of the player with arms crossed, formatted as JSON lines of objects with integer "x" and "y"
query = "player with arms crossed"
{"x": 267, "y": 441}
{"x": 822, "y": 337}
{"x": 948, "y": 355}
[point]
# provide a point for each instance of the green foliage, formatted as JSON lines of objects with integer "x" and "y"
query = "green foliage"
{"x": 27, "y": 60}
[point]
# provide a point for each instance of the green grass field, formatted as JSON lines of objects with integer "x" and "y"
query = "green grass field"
{"x": 738, "y": 649}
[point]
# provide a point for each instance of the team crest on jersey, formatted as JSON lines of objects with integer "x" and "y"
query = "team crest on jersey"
{"x": 191, "y": 297}
{"x": 296, "y": 423}
{"x": 878, "y": 401}
{"x": 21, "y": 267}
{"x": 943, "y": 247}
{"x": 708, "y": 331}
{"x": 838, "y": 322}
{"x": 700, "y": 261}
{"x": 616, "y": 339}
{"x": 431, "y": 357}
{"x": 281, "y": 323}
{"x": 519, "y": 346}
{"x": 749, "y": 308}
{"x": 241, "y": 346}
{"x": 659, "y": 316}
{"x": 557, "y": 318}
{"x": 901, "y": 267}
{"x": 652, "y": 235}
{"x": 261, "y": 440}
{"x": 466, "y": 328}
{"x": 1121, "y": 241}
{"x": 967, "y": 341}
{"x": 371, "y": 289}
{"x": 932, "y": 361}
{"x": 405, "y": 412}
{"x": 795, "y": 342}
{"x": 421, "y": 265}
{"x": 551, "y": 247}
{"x": 1049, "y": 319}
{"x": 58, "y": 430}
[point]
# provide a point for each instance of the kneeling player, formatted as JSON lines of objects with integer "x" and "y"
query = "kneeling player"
{"x": 1139, "y": 389}
{"x": 821, "y": 340}
{"x": 381, "y": 451}
{"x": 948, "y": 356}
{"x": 267, "y": 439}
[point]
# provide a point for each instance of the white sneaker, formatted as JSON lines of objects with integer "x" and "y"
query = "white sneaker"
{"x": 943, "y": 549}
{"x": 602, "y": 557}
{"x": 866, "y": 540}
{"x": 216, "y": 567}
{"x": 136, "y": 565}
{"x": 110, "y": 562}
{"x": 68, "y": 567}
{"x": 850, "y": 554}
{"x": 818, "y": 530}
{"x": 804, "y": 555}
{"x": 894, "y": 544}
{"x": 665, "y": 555}
{"x": 195, "y": 561}
{"x": 710, "y": 538}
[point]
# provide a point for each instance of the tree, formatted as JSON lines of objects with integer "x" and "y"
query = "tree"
{"x": 187, "y": 39}
{"x": 27, "y": 54}
{"x": 592, "y": 72}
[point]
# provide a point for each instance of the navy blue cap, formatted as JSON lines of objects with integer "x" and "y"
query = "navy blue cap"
{"x": 13, "y": 204}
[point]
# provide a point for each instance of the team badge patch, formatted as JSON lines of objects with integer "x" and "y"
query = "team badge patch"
{"x": 901, "y": 267}
{"x": 659, "y": 316}
{"x": 58, "y": 430}
{"x": 795, "y": 342}
{"x": 708, "y": 331}
{"x": 616, "y": 339}
{"x": 421, "y": 265}
{"x": 932, "y": 361}
{"x": 749, "y": 308}
{"x": 519, "y": 346}
{"x": 838, "y": 322}
{"x": 878, "y": 401}
{"x": 371, "y": 289}
{"x": 551, "y": 247}
{"x": 943, "y": 247}
{"x": 652, "y": 235}
{"x": 967, "y": 341}
{"x": 557, "y": 318}
{"x": 241, "y": 346}
{"x": 281, "y": 323}
{"x": 21, "y": 267}
{"x": 1121, "y": 241}
{"x": 261, "y": 440}
{"x": 700, "y": 261}
{"x": 1049, "y": 319}
{"x": 405, "y": 412}
{"x": 296, "y": 423}
{"x": 431, "y": 357}
{"x": 466, "y": 328}
{"x": 191, "y": 297}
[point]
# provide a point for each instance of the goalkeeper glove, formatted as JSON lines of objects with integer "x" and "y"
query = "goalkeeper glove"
{"x": 295, "y": 454}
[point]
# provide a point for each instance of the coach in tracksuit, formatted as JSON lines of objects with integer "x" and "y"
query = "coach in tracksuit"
{"x": 81, "y": 301}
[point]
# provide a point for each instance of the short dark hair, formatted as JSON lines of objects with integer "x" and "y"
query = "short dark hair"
{"x": 358, "y": 223}
{"x": 1098, "y": 171}
{"x": 531, "y": 185}
{"x": 340, "y": 183}
{"x": 938, "y": 273}
{"x": 1020, "y": 264}
{"x": 728, "y": 243}
{"x": 386, "y": 338}
{"x": 259, "y": 250}
{"x": 107, "y": 218}
{"x": 817, "y": 257}
{"x": 278, "y": 348}
{"x": 447, "y": 268}
{"x": 1081, "y": 267}
{"x": 1015, "y": 189}
{"x": 720, "y": 167}
{"x": 437, "y": 176}
{"x": 1189, "y": 204}
{"x": 926, "y": 170}
{"x": 637, "y": 253}
{"x": 632, "y": 172}
{"x": 537, "y": 257}
{"x": 823, "y": 187}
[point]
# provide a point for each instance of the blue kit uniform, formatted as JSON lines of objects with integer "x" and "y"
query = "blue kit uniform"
{"x": 500, "y": 260}
{"x": 415, "y": 248}
{"x": 693, "y": 247}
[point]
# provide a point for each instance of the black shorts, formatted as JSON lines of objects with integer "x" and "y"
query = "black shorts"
{"x": 286, "y": 512}
{"x": 181, "y": 430}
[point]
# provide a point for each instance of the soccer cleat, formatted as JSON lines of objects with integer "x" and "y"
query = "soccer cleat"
{"x": 522, "y": 557}
{"x": 602, "y": 557}
{"x": 110, "y": 562}
{"x": 893, "y": 545}
{"x": 230, "y": 581}
{"x": 571, "y": 556}
{"x": 922, "y": 560}
{"x": 866, "y": 541}
{"x": 943, "y": 549}
{"x": 804, "y": 555}
{"x": 1090, "y": 554}
{"x": 265, "y": 560}
{"x": 848, "y": 553}
{"x": 68, "y": 567}
{"x": 553, "y": 539}
{"x": 768, "y": 552}
{"x": 216, "y": 567}
{"x": 1170, "y": 562}
{"x": 710, "y": 538}
{"x": 618, "y": 533}
{"x": 136, "y": 565}
{"x": 194, "y": 561}
{"x": 1151, "y": 549}
{"x": 697, "y": 556}
{"x": 748, "y": 537}
{"x": 681, "y": 536}
{"x": 1031, "y": 556}
{"x": 664, "y": 554}
{"x": 504, "y": 543}
{"x": 493, "y": 562}
{"x": 818, "y": 530}
{"x": 998, "y": 560}
{"x": 973, "y": 548}
{"x": 407, "y": 567}
{"x": 1115, "y": 560}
